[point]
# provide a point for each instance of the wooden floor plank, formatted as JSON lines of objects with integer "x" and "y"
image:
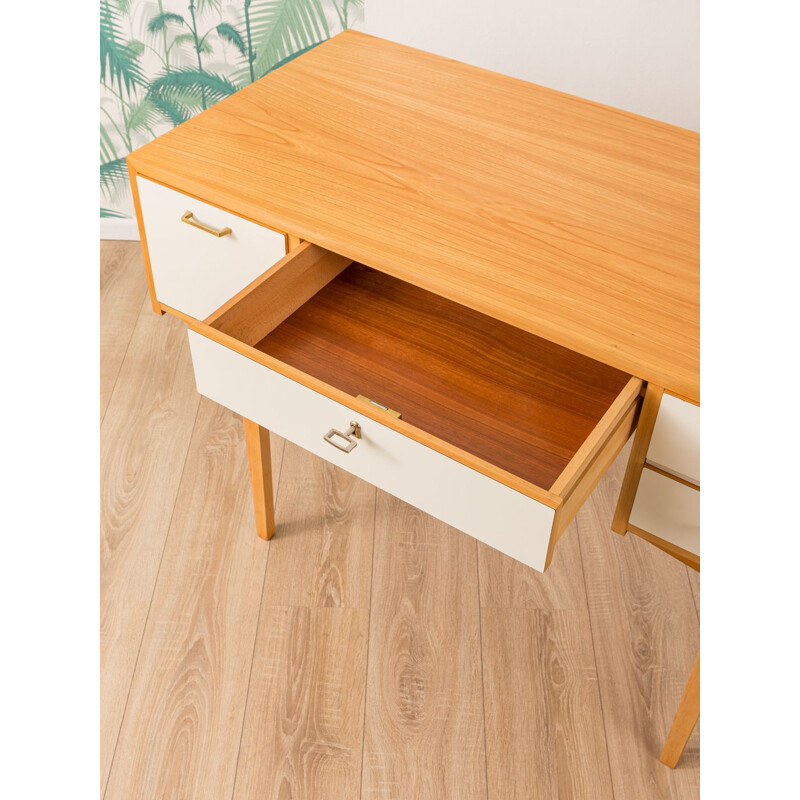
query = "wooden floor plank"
{"x": 123, "y": 287}
{"x": 694, "y": 582}
{"x": 545, "y": 736}
{"x": 303, "y": 729}
{"x": 181, "y": 732}
{"x": 646, "y": 636}
{"x": 144, "y": 440}
{"x": 326, "y": 526}
{"x": 424, "y": 731}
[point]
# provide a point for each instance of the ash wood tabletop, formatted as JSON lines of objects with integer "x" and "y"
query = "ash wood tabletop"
{"x": 568, "y": 219}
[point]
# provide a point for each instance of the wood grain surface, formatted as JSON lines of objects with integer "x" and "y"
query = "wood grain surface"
{"x": 424, "y": 629}
{"x": 424, "y": 733}
{"x": 123, "y": 287}
{"x": 144, "y": 440}
{"x": 510, "y": 398}
{"x": 569, "y": 219}
{"x": 264, "y": 303}
{"x": 184, "y": 715}
{"x": 325, "y": 525}
{"x": 694, "y": 581}
{"x": 686, "y": 717}
{"x": 633, "y": 472}
{"x": 302, "y": 736}
{"x": 259, "y": 459}
{"x": 303, "y": 732}
{"x": 690, "y": 559}
{"x": 593, "y": 473}
{"x": 544, "y": 720}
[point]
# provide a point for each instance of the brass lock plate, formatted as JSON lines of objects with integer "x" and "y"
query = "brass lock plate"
{"x": 376, "y": 404}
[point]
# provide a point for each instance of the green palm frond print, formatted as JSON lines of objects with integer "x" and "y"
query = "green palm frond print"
{"x": 282, "y": 27}
{"x": 163, "y": 61}
{"x": 118, "y": 58}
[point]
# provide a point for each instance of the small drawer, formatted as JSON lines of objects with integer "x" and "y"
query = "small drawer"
{"x": 493, "y": 430}
{"x": 675, "y": 446}
{"x": 194, "y": 269}
{"x": 668, "y": 510}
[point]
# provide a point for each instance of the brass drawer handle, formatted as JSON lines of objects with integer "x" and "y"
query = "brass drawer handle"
{"x": 189, "y": 219}
{"x": 353, "y": 430}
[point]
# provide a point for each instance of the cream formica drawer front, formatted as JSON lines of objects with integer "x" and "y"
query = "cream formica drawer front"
{"x": 510, "y": 521}
{"x": 668, "y": 509}
{"x": 194, "y": 271}
{"x": 675, "y": 446}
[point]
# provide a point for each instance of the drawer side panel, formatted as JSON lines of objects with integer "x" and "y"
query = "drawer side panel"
{"x": 490, "y": 511}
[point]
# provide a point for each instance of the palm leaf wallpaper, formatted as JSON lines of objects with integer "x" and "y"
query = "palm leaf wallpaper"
{"x": 162, "y": 62}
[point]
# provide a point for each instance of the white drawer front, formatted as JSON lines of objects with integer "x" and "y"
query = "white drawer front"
{"x": 668, "y": 509}
{"x": 193, "y": 271}
{"x": 490, "y": 511}
{"x": 675, "y": 445}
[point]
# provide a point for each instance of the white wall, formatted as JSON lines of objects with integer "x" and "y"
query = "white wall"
{"x": 640, "y": 55}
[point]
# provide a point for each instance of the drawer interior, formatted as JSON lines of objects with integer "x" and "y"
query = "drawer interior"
{"x": 509, "y": 397}
{"x": 505, "y": 396}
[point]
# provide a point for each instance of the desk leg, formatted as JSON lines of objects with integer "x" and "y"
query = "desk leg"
{"x": 641, "y": 441}
{"x": 685, "y": 718}
{"x": 258, "y": 456}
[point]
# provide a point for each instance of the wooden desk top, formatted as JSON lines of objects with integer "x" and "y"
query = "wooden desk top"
{"x": 571, "y": 220}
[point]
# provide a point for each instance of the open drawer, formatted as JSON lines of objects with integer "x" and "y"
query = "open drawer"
{"x": 493, "y": 430}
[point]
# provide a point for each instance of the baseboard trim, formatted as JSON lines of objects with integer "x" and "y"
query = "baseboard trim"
{"x": 125, "y": 229}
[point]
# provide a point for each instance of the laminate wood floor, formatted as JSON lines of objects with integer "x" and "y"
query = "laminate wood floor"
{"x": 368, "y": 651}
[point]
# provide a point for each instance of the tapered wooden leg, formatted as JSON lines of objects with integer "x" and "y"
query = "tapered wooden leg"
{"x": 630, "y": 483}
{"x": 685, "y": 718}
{"x": 258, "y": 456}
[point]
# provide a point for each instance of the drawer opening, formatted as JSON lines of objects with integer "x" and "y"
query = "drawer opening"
{"x": 539, "y": 417}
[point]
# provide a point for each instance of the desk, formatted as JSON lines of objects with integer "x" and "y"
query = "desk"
{"x": 482, "y": 280}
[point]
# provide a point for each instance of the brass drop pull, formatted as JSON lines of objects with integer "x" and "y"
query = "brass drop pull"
{"x": 189, "y": 219}
{"x": 346, "y": 444}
